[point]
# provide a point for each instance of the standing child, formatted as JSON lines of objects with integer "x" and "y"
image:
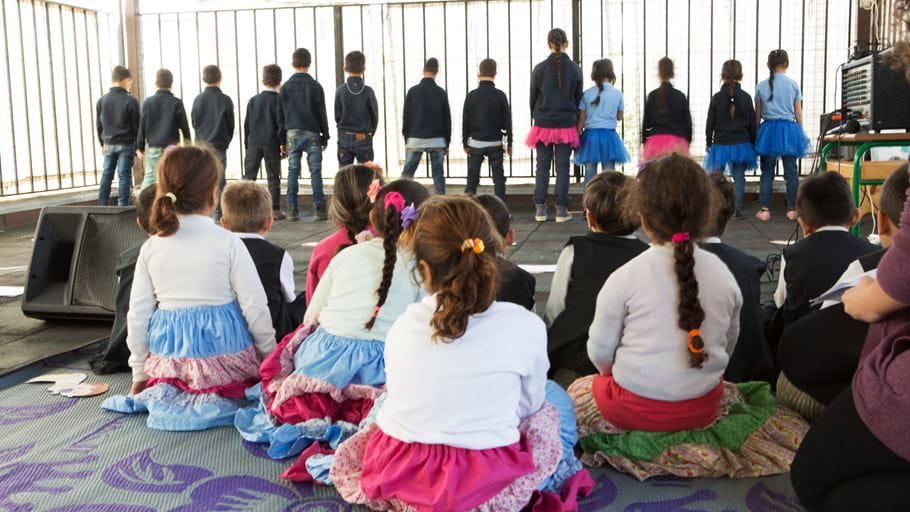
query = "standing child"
{"x": 667, "y": 125}
{"x": 354, "y": 192}
{"x": 516, "y": 285}
{"x": 198, "y": 321}
{"x": 469, "y": 420}
{"x": 486, "y": 119}
{"x": 261, "y": 138}
{"x": 323, "y": 380}
{"x": 304, "y": 125}
{"x": 598, "y": 113}
{"x": 213, "y": 120}
{"x": 555, "y": 94}
{"x": 730, "y": 131}
{"x": 356, "y": 113}
{"x": 162, "y": 121}
{"x": 427, "y": 126}
{"x": 664, "y": 327}
{"x": 779, "y": 104}
{"x": 118, "y": 125}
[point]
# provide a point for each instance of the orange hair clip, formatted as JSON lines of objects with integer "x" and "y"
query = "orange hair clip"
{"x": 475, "y": 245}
{"x": 692, "y": 334}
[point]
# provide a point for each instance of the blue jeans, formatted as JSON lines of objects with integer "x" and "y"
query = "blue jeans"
{"x": 495, "y": 156}
{"x": 300, "y": 141}
{"x": 350, "y": 149}
{"x": 591, "y": 170}
{"x": 739, "y": 183}
{"x": 545, "y": 156}
{"x": 437, "y": 163}
{"x": 119, "y": 157}
{"x": 791, "y": 177}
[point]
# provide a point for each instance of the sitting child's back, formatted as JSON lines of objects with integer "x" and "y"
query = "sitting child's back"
{"x": 516, "y": 285}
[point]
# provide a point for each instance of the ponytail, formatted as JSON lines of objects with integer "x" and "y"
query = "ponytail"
{"x": 600, "y": 90}
{"x": 691, "y": 314}
{"x": 164, "y": 215}
{"x": 732, "y": 108}
{"x": 556, "y": 39}
{"x": 187, "y": 179}
{"x": 771, "y": 85}
{"x": 776, "y": 59}
{"x": 557, "y": 65}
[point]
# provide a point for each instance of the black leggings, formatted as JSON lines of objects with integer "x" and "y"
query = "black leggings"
{"x": 841, "y": 465}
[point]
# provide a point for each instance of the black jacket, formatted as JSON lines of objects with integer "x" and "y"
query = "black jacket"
{"x": 516, "y": 285}
{"x": 356, "y": 109}
{"x": 303, "y": 107}
{"x": 667, "y": 113}
{"x": 118, "y": 117}
{"x": 213, "y": 118}
{"x": 553, "y": 106}
{"x": 163, "y": 119}
{"x": 260, "y": 127}
{"x": 426, "y": 112}
{"x": 486, "y": 115}
{"x": 720, "y": 129}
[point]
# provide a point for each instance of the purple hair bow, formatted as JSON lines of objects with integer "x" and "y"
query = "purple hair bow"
{"x": 408, "y": 215}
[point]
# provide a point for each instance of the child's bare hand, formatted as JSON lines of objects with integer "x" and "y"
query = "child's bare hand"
{"x": 138, "y": 387}
{"x": 140, "y": 155}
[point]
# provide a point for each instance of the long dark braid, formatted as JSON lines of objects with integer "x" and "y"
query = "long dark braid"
{"x": 731, "y": 73}
{"x": 556, "y": 39}
{"x": 777, "y": 58}
{"x": 601, "y": 70}
{"x": 691, "y": 314}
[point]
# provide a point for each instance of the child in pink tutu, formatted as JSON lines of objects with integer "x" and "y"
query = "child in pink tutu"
{"x": 667, "y": 125}
{"x": 556, "y": 91}
{"x": 469, "y": 421}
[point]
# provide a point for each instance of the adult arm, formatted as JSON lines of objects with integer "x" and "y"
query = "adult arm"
{"x": 251, "y": 297}
{"x": 869, "y": 302}
{"x": 559, "y": 287}
{"x": 607, "y": 326}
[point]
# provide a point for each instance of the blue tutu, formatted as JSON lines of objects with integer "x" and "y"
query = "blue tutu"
{"x": 601, "y": 146}
{"x": 341, "y": 361}
{"x": 568, "y": 435}
{"x": 780, "y": 137}
{"x": 719, "y": 155}
{"x": 198, "y": 331}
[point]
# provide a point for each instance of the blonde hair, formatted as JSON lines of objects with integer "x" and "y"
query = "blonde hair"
{"x": 245, "y": 207}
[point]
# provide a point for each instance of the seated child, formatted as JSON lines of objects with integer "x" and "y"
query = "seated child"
{"x": 664, "y": 327}
{"x": 322, "y": 381}
{"x": 114, "y": 359}
{"x": 198, "y": 323}
{"x": 516, "y": 285}
{"x": 582, "y": 268}
{"x": 352, "y": 199}
{"x": 752, "y": 360}
{"x": 469, "y": 420}
{"x": 247, "y": 211}
{"x": 820, "y": 352}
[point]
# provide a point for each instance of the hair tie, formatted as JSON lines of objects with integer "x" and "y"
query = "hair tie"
{"x": 408, "y": 215}
{"x": 376, "y": 311}
{"x": 692, "y": 348}
{"x": 394, "y": 199}
{"x": 172, "y": 196}
{"x": 475, "y": 245}
{"x": 373, "y": 191}
{"x": 680, "y": 238}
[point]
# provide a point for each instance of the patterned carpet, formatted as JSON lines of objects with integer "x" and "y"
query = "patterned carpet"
{"x": 67, "y": 455}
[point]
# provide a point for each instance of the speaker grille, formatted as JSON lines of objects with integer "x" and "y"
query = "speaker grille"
{"x": 104, "y": 238}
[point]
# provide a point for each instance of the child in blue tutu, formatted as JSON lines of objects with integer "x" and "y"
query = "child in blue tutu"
{"x": 730, "y": 131}
{"x": 779, "y": 103}
{"x": 600, "y": 109}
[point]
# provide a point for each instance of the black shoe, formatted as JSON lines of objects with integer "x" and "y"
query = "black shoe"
{"x": 293, "y": 214}
{"x": 739, "y": 215}
{"x": 319, "y": 213}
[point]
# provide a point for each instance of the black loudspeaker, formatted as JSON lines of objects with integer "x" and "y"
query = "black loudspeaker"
{"x": 72, "y": 274}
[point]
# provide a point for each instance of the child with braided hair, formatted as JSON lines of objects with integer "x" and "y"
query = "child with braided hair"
{"x": 599, "y": 112}
{"x": 664, "y": 327}
{"x": 323, "y": 379}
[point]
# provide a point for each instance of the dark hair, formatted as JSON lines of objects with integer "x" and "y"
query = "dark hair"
{"x": 246, "y": 207}
{"x": 731, "y": 73}
{"x": 143, "y": 203}
{"x": 556, "y": 39}
{"x": 602, "y": 70}
{"x": 355, "y": 62}
{"x": 669, "y": 199}
{"x": 388, "y": 224}
{"x": 776, "y": 59}
{"x": 825, "y": 200}
{"x": 894, "y": 194}
{"x": 498, "y": 211}
{"x": 271, "y": 75}
{"x": 301, "y": 58}
{"x": 607, "y": 197}
{"x": 665, "y": 69}
{"x": 431, "y": 65}
{"x": 119, "y": 74}
{"x": 211, "y": 75}
{"x": 164, "y": 79}
{"x": 465, "y": 282}
{"x": 191, "y": 174}
{"x": 487, "y": 67}
{"x": 665, "y": 73}
{"x": 726, "y": 203}
{"x": 350, "y": 206}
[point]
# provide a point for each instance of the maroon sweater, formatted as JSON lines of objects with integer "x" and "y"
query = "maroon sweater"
{"x": 881, "y": 386}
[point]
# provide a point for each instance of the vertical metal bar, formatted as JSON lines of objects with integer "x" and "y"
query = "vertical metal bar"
{"x": 404, "y": 59}
{"x": 275, "y": 35}
{"x": 487, "y": 6}
{"x": 9, "y": 88}
{"x": 237, "y": 67}
{"x": 50, "y": 58}
{"x": 315, "y": 46}
{"x": 757, "y": 57}
{"x": 294, "y": 11}
{"x": 466, "y": 81}
{"x": 644, "y": 54}
{"x": 198, "y": 44}
{"x": 711, "y": 48}
{"x": 217, "y": 51}
{"x": 255, "y": 54}
{"x": 531, "y": 63}
{"x": 79, "y": 98}
{"x": 551, "y": 16}
{"x": 28, "y": 127}
{"x": 91, "y": 98}
{"x": 824, "y": 63}
{"x": 689, "y": 46}
{"x": 509, "y": 60}
{"x": 180, "y": 56}
{"x": 385, "y": 92}
{"x": 734, "y": 27}
{"x": 338, "y": 18}
{"x": 363, "y": 43}
{"x": 423, "y": 15}
{"x": 66, "y": 99}
{"x": 160, "y": 43}
{"x": 38, "y": 85}
{"x": 780, "y": 26}
{"x": 667, "y": 30}
{"x": 603, "y": 22}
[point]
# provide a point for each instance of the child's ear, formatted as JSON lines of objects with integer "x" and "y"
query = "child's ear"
{"x": 509, "y": 239}
{"x": 224, "y": 224}
{"x": 373, "y": 217}
{"x": 806, "y": 227}
{"x": 884, "y": 224}
{"x": 855, "y": 217}
{"x": 267, "y": 227}
{"x": 589, "y": 217}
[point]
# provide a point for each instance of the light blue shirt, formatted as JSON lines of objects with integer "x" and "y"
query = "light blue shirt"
{"x": 602, "y": 115}
{"x": 786, "y": 93}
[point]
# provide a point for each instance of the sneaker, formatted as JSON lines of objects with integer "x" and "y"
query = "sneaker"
{"x": 293, "y": 214}
{"x": 791, "y": 214}
{"x": 763, "y": 215}
{"x": 319, "y": 213}
{"x": 738, "y": 215}
{"x": 278, "y": 215}
{"x": 541, "y": 214}
{"x": 562, "y": 214}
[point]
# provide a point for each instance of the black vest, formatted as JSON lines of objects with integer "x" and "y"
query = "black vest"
{"x": 597, "y": 255}
{"x": 814, "y": 265}
{"x": 268, "y": 258}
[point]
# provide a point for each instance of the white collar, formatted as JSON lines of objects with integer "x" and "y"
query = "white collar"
{"x": 712, "y": 240}
{"x": 831, "y": 228}
{"x": 629, "y": 237}
{"x": 250, "y": 235}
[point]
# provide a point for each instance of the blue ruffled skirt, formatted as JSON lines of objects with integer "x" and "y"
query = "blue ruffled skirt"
{"x": 601, "y": 146}
{"x": 780, "y": 137}
{"x": 719, "y": 155}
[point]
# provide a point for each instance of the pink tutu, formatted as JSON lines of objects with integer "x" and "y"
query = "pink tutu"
{"x": 659, "y": 145}
{"x": 549, "y": 136}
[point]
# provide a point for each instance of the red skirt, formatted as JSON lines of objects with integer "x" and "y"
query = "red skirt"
{"x": 626, "y": 410}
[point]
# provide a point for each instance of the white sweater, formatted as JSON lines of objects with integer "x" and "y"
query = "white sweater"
{"x": 635, "y": 333}
{"x": 469, "y": 393}
{"x": 200, "y": 265}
